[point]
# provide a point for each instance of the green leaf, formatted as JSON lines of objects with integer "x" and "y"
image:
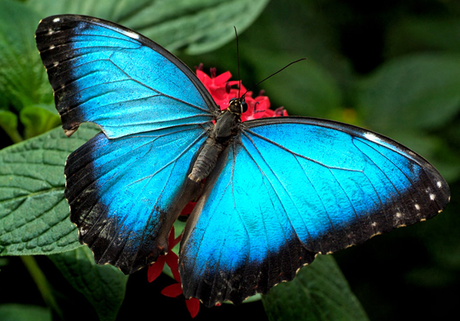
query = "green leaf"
{"x": 103, "y": 285}
{"x": 198, "y": 26}
{"x": 9, "y": 123}
{"x": 413, "y": 92}
{"x": 295, "y": 31}
{"x": 318, "y": 292}
{"x": 22, "y": 312}
{"x": 413, "y": 33}
{"x": 34, "y": 215}
{"x": 37, "y": 120}
{"x": 411, "y": 97}
{"x": 22, "y": 76}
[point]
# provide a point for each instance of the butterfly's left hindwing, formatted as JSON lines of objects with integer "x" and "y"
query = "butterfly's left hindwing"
{"x": 107, "y": 74}
{"x": 126, "y": 193}
{"x": 289, "y": 188}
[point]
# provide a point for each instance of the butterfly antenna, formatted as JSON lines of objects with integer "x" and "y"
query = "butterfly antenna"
{"x": 276, "y": 72}
{"x": 238, "y": 62}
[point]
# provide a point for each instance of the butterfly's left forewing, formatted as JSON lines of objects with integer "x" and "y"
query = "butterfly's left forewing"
{"x": 289, "y": 188}
{"x": 124, "y": 82}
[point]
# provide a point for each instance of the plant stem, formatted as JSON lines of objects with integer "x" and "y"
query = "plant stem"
{"x": 42, "y": 283}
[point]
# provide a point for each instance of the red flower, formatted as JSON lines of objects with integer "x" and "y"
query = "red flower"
{"x": 221, "y": 91}
{"x": 174, "y": 290}
{"x": 170, "y": 258}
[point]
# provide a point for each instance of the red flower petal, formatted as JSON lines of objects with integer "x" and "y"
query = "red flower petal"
{"x": 156, "y": 268}
{"x": 173, "y": 262}
{"x": 203, "y": 76}
{"x": 188, "y": 208}
{"x": 172, "y": 291}
{"x": 193, "y": 306}
{"x": 222, "y": 79}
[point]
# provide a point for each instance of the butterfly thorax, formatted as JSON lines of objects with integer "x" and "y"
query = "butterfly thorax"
{"x": 225, "y": 128}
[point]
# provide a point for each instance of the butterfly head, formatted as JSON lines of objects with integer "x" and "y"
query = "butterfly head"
{"x": 237, "y": 106}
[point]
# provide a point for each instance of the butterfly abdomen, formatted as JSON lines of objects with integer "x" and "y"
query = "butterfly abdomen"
{"x": 206, "y": 160}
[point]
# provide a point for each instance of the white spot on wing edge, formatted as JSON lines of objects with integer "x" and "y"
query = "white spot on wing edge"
{"x": 131, "y": 34}
{"x": 439, "y": 184}
{"x": 55, "y": 20}
{"x": 372, "y": 137}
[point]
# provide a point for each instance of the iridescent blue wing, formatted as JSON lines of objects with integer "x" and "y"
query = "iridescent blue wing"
{"x": 107, "y": 74}
{"x": 289, "y": 188}
{"x": 126, "y": 186}
{"x": 125, "y": 193}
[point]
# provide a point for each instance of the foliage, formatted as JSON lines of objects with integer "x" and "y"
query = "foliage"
{"x": 393, "y": 67}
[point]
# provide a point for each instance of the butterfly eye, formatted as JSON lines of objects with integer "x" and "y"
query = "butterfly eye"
{"x": 244, "y": 107}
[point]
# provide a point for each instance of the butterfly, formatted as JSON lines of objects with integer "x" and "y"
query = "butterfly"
{"x": 273, "y": 192}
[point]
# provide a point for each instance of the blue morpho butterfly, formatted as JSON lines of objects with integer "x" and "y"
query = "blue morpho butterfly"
{"x": 277, "y": 190}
